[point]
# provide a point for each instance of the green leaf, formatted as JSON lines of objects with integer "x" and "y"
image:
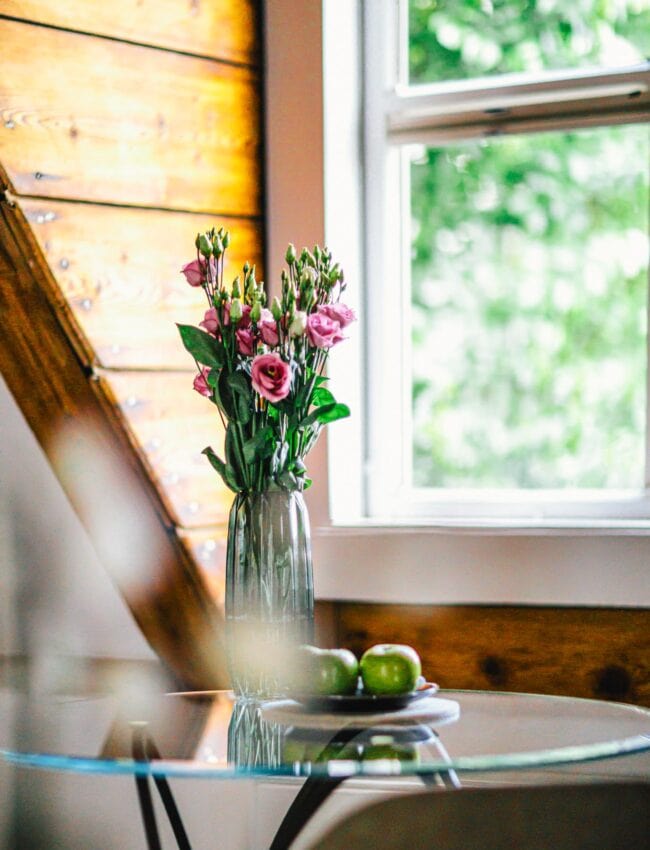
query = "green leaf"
{"x": 234, "y": 458}
{"x": 231, "y": 480}
{"x": 260, "y": 446}
{"x": 243, "y": 396}
{"x": 239, "y": 383}
{"x": 315, "y": 415}
{"x": 203, "y": 347}
{"x": 224, "y": 396}
{"x": 220, "y": 467}
{"x": 331, "y": 414}
{"x": 322, "y": 396}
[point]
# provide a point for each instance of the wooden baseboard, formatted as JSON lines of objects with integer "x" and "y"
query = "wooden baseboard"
{"x": 601, "y": 653}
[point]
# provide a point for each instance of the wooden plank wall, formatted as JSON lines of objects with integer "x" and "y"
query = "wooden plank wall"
{"x": 125, "y": 128}
{"x": 601, "y": 653}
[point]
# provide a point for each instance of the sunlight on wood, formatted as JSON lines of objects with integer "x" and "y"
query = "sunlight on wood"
{"x": 119, "y": 270}
{"x": 172, "y": 424}
{"x": 76, "y": 125}
{"x": 219, "y": 28}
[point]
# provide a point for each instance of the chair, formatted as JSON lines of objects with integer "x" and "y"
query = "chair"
{"x": 600, "y": 816}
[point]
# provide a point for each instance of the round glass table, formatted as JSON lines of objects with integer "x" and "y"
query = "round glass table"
{"x": 213, "y": 735}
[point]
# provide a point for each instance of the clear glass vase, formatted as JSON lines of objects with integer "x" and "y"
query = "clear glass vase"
{"x": 252, "y": 741}
{"x": 269, "y": 589}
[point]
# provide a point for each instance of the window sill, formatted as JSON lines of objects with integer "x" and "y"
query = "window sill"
{"x": 595, "y": 565}
{"x": 490, "y": 526}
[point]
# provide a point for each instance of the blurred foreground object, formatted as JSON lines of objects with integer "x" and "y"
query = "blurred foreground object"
{"x": 580, "y": 817}
{"x": 165, "y": 593}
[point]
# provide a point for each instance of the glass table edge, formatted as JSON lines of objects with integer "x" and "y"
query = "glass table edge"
{"x": 381, "y": 768}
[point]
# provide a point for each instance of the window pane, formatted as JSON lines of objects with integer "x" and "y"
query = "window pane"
{"x": 529, "y": 281}
{"x": 458, "y": 39}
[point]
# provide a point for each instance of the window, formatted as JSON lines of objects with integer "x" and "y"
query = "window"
{"x": 507, "y": 196}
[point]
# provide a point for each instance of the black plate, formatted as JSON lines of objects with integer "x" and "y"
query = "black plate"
{"x": 363, "y": 703}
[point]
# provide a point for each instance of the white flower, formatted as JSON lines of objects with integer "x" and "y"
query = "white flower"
{"x": 299, "y": 324}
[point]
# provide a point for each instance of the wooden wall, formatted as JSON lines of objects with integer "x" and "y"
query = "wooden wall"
{"x": 601, "y": 653}
{"x": 126, "y": 127}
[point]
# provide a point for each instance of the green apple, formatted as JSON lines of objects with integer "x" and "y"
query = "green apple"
{"x": 400, "y": 752}
{"x": 293, "y": 751}
{"x": 329, "y": 671}
{"x": 390, "y": 668}
{"x": 332, "y": 752}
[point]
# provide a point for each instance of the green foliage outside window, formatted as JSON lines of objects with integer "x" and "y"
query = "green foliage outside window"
{"x": 530, "y": 275}
{"x": 458, "y": 39}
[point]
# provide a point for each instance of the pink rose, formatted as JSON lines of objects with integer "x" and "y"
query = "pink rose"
{"x": 210, "y": 321}
{"x": 268, "y": 328}
{"x": 271, "y": 377}
{"x": 245, "y": 342}
{"x": 322, "y": 331}
{"x": 201, "y": 383}
{"x": 341, "y": 313}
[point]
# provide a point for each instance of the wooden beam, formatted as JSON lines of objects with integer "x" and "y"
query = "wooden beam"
{"x": 46, "y": 366}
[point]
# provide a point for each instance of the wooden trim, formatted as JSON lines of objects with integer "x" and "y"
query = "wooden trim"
{"x": 601, "y": 653}
{"x": 47, "y": 367}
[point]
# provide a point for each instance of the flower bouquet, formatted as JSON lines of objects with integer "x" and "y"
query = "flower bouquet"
{"x": 263, "y": 369}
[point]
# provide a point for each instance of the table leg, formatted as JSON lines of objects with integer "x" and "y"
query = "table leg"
{"x": 144, "y": 750}
{"x": 144, "y": 794}
{"x": 169, "y": 803}
{"x": 314, "y": 792}
{"x": 442, "y": 778}
{"x": 311, "y": 796}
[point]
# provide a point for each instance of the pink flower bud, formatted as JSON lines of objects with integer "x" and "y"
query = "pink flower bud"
{"x": 195, "y": 272}
{"x": 268, "y": 328}
{"x": 245, "y": 321}
{"x": 245, "y": 342}
{"x": 210, "y": 321}
{"x": 271, "y": 377}
{"x": 201, "y": 383}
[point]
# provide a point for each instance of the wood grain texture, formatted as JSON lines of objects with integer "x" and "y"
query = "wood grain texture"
{"x": 47, "y": 375}
{"x": 326, "y": 623}
{"x": 118, "y": 269}
{"x": 583, "y": 652}
{"x": 171, "y": 424}
{"x": 92, "y": 119}
{"x": 221, "y": 29}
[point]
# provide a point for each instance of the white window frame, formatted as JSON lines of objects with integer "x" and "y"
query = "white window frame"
{"x": 397, "y": 116}
{"x": 314, "y": 194}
